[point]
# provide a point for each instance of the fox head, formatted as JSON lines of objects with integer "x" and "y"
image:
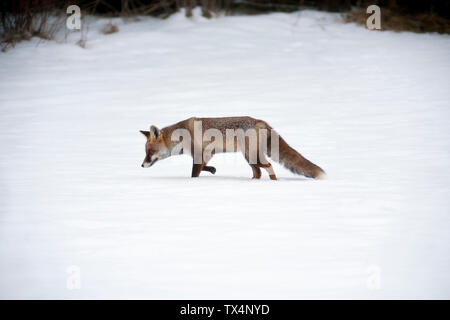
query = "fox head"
{"x": 155, "y": 147}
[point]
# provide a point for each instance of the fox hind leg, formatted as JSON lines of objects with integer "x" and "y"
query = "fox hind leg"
{"x": 269, "y": 170}
{"x": 263, "y": 163}
{"x": 256, "y": 171}
{"x": 255, "y": 167}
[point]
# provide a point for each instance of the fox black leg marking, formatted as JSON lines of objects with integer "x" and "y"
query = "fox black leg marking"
{"x": 196, "y": 169}
{"x": 209, "y": 169}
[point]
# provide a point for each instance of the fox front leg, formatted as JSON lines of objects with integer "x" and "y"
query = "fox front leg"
{"x": 209, "y": 169}
{"x": 206, "y": 159}
{"x": 196, "y": 169}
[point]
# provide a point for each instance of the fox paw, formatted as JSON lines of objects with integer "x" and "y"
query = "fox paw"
{"x": 210, "y": 169}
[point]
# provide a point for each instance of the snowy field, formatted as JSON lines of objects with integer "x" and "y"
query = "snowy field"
{"x": 371, "y": 108}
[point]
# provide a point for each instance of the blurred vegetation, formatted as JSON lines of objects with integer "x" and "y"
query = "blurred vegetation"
{"x": 24, "y": 19}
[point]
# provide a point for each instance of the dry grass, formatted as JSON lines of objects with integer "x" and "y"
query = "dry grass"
{"x": 9, "y": 38}
{"x": 23, "y": 20}
{"x": 109, "y": 28}
{"x": 397, "y": 21}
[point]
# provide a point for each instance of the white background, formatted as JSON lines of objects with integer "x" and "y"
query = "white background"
{"x": 371, "y": 108}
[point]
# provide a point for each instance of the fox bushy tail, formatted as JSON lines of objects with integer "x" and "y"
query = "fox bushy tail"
{"x": 293, "y": 160}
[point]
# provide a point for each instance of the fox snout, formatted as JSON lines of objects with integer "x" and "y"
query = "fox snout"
{"x": 148, "y": 162}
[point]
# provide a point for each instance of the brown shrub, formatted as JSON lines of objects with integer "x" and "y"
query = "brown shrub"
{"x": 22, "y": 20}
{"x": 395, "y": 20}
{"x": 109, "y": 28}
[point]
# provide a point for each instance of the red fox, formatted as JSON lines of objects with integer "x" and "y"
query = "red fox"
{"x": 197, "y": 134}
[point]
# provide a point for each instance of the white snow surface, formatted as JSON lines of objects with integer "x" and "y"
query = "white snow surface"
{"x": 371, "y": 108}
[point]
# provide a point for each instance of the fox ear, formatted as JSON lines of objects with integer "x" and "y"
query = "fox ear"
{"x": 154, "y": 132}
{"x": 145, "y": 133}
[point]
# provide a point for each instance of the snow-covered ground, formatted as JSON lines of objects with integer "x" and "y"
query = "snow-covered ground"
{"x": 371, "y": 108}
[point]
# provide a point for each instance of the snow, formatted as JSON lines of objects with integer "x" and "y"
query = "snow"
{"x": 371, "y": 108}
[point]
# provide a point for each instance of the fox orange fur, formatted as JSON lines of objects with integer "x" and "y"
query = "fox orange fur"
{"x": 160, "y": 146}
